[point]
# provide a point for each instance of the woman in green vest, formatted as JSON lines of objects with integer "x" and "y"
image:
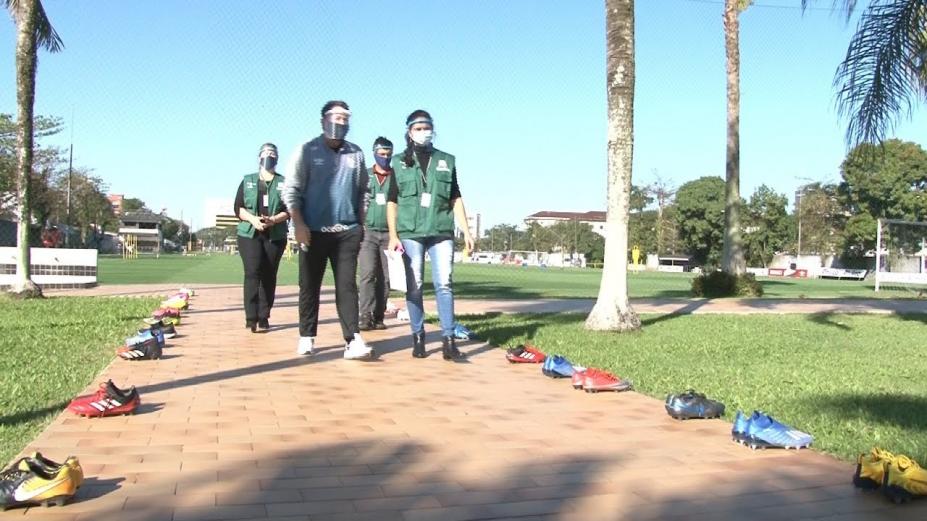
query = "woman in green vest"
{"x": 261, "y": 236}
{"x": 424, "y": 198}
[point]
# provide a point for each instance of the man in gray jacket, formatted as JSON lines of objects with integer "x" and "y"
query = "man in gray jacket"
{"x": 325, "y": 193}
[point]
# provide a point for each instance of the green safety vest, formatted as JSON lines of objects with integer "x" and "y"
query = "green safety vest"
{"x": 415, "y": 221}
{"x": 376, "y": 211}
{"x": 274, "y": 198}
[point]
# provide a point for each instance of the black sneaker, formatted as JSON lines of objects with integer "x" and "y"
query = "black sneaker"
{"x": 365, "y": 323}
{"x": 379, "y": 325}
{"x": 691, "y": 404}
{"x": 252, "y": 325}
{"x": 263, "y": 324}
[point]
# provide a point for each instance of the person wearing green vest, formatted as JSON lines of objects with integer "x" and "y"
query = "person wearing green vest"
{"x": 262, "y": 233}
{"x": 374, "y": 271}
{"x": 424, "y": 198}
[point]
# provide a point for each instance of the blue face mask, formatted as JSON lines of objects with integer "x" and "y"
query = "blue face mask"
{"x": 382, "y": 162}
{"x": 334, "y": 130}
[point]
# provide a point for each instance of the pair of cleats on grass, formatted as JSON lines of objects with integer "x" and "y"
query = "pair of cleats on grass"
{"x": 36, "y": 480}
{"x": 900, "y": 478}
{"x": 762, "y": 431}
{"x": 591, "y": 380}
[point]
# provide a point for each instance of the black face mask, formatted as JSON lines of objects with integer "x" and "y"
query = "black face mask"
{"x": 268, "y": 163}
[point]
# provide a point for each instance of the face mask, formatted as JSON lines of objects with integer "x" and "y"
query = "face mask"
{"x": 382, "y": 162}
{"x": 268, "y": 163}
{"x": 334, "y": 130}
{"x": 422, "y": 137}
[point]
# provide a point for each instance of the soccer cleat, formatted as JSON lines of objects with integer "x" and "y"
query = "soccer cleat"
{"x": 189, "y": 292}
{"x": 52, "y": 467}
{"x": 28, "y": 483}
{"x": 691, "y": 404}
{"x": 579, "y": 376}
{"x": 143, "y": 335}
{"x": 557, "y": 366}
{"x": 148, "y": 349}
{"x": 306, "y": 345}
{"x": 870, "y": 468}
{"x": 903, "y": 480}
{"x": 162, "y": 312}
{"x": 109, "y": 400}
{"x": 462, "y": 332}
{"x": 739, "y": 429}
{"x": 525, "y": 354}
{"x": 167, "y": 330}
{"x": 175, "y": 303}
{"x": 763, "y": 431}
{"x": 357, "y": 349}
{"x": 596, "y": 381}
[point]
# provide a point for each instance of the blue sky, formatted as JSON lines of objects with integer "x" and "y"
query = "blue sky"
{"x": 171, "y": 99}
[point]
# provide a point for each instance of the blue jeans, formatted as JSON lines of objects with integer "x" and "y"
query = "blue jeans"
{"x": 441, "y": 253}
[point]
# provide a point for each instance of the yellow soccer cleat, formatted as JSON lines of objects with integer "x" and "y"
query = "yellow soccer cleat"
{"x": 870, "y": 468}
{"x": 52, "y": 467}
{"x": 27, "y": 483}
{"x": 175, "y": 303}
{"x": 904, "y": 480}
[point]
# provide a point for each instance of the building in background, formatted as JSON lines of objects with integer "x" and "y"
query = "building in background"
{"x": 549, "y": 218}
{"x": 473, "y": 221}
{"x": 142, "y": 230}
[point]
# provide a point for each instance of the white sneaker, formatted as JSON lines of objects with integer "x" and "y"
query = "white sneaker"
{"x": 306, "y": 345}
{"x": 357, "y": 349}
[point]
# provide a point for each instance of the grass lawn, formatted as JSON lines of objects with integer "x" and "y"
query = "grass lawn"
{"x": 50, "y": 350}
{"x": 852, "y": 381}
{"x": 475, "y": 280}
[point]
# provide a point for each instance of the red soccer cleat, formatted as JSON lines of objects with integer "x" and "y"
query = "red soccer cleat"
{"x": 161, "y": 313}
{"x": 525, "y": 354}
{"x": 109, "y": 400}
{"x": 596, "y": 380}
{"x": 579, "y": 376}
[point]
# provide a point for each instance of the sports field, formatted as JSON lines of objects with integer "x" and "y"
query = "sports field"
{"x": 477, "y": 280}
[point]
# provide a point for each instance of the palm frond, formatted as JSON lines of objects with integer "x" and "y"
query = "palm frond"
{"x": 848, "y": 6}
{"x": 45, "y": 35}
{"x": 880, "y": 78}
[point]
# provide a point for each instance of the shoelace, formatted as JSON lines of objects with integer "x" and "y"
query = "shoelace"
{"x": 904, "y": 463}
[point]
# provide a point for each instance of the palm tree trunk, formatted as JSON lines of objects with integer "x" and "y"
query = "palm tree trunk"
{"x": 732, "y": 257}
{"x": 26, "y": 56}
{"x": 612, "y": 310}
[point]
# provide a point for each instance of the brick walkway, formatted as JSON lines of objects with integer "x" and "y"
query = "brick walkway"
{"x": 236, "y": 426}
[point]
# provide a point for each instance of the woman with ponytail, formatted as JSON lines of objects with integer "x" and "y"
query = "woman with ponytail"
{"x": 423, "y": 200}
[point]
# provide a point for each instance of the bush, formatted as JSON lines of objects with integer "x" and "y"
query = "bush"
{"x": 716, "y": 284}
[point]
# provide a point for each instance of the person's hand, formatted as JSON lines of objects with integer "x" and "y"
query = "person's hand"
{"x": 302, "y": 234}
{"x": 395, "y": 245}
{"x": 468, "y": 242}
{"x": 258, "y": 223}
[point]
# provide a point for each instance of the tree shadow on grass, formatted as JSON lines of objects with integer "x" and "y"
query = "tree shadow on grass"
{"x": 903, "y": 410}
{"x": 32, "y": 414}
{"x": 827, "y": 319}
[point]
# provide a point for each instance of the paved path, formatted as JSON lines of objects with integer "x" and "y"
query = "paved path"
{"x": 236, "y": 426}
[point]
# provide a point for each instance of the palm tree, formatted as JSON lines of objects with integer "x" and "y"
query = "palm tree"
{"x": 612, "y": 310}
{"x": 884, "y": 73}
{"x": 34, "y": 31}
{"x": 732, "y": 256}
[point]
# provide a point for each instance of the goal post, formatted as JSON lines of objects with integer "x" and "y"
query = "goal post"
{"x": 900, "y": 253}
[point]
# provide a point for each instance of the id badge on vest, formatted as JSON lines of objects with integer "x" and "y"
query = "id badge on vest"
{"x": 266, "y": 202}
{"x": 381, "y": 199}
{"x": 426, "y": 200}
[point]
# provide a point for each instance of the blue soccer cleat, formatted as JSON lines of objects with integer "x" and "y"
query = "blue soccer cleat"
{"x": 691, "y": 404}
{"x": 765, "y": 431}
{"x": 557, "y": 366}
{"x": 462, "y": 332}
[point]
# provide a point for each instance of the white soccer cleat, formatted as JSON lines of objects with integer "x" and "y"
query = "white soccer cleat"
{"x": 306, "y": 345}
{"x": 357, "y": 349}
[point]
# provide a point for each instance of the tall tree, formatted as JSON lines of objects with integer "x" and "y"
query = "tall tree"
{"x": 612, "y": 310}
{"x": 732, "y": 257}
{"x": 700, "y": 216}
{"x": 663, "y": 191}
{"x": 34, "y": 31}
{"x": 768, "y": 229}
{"x": 884, "y": 72}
